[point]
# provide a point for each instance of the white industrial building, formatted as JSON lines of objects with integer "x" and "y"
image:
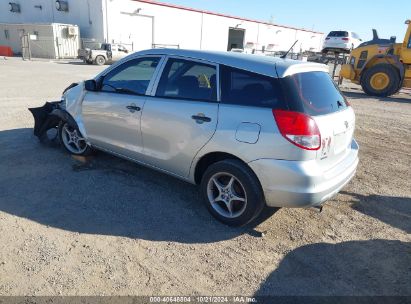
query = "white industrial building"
{"x": 142, "y": 24}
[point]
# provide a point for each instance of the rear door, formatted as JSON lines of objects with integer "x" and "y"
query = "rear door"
{"x": 181, "y": 116}
{"x": 315, "y": 94}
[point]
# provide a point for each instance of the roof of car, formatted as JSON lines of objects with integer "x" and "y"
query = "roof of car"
{"x": 266, "y": 65}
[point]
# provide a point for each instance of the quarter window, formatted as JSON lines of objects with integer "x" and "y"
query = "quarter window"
{"x": 132, "y": 77}
{"x": 249, "y": 89}
{"x": 186, "y": 79}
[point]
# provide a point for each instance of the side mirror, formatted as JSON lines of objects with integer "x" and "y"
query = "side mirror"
{"x": 90, "y": 85}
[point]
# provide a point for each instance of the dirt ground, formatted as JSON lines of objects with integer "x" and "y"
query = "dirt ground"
{"x": 121, "y": 229}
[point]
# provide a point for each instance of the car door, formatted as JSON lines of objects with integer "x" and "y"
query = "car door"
{"x": 181, "y": 116}
{"x": 112, "y": 114}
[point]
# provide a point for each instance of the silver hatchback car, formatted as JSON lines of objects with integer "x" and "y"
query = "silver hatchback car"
{"x": 253, "y": 131}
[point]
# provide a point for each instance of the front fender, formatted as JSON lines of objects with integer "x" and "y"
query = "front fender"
{"x": 73, "y": 99}
{"x": 63, "y": 115}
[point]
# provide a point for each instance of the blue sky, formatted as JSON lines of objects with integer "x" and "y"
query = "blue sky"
{"x": 360, "y": 16}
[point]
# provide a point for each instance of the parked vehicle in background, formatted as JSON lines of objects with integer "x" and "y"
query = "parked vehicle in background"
{"x": 107, "y": 53}
{"x": 252, "y": 131}
{"x": 341, "y": 41}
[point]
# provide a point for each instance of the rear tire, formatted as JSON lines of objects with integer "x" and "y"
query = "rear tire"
{"x": 232, "y": 192}
{"x": 381, "y": 80}
{"x": 100, "y": 60}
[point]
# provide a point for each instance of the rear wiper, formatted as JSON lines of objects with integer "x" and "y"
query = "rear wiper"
{"x": 339, "y": 103}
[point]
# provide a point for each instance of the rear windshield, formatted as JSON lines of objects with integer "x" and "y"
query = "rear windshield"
{"x": 313, "y": 93}
{"x": 338, "y": 34}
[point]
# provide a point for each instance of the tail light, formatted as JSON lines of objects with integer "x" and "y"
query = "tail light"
{"x": 345, "y": 39}
{"x": 299, "y": 129}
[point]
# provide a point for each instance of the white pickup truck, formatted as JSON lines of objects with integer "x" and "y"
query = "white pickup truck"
{"x": 107, "y": 53}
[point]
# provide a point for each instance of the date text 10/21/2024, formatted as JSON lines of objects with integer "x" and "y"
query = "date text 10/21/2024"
{"x": 203, "y": 299}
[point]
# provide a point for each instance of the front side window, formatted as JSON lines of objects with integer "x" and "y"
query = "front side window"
{"x": 131, "y": 77}
{"x": 250, "y": 89}
{"x": 185, "y": 79}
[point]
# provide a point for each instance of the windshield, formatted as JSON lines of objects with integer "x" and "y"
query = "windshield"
{"x": 313, "y": 93}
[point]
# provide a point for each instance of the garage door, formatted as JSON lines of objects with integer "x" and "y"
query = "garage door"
{"x": 141, "y": 32}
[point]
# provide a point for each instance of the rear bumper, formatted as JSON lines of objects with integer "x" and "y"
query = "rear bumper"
{"x": 303, "y": 183}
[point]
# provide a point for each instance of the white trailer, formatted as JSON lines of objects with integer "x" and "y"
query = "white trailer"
{"x": 54, "y": 40}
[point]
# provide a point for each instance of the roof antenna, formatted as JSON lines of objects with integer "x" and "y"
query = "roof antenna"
{"x": 285, "y": 55}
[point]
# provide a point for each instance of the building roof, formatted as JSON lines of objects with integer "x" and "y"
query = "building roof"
{"x": 222, "y": 15}
{"x": 266, "y": 65}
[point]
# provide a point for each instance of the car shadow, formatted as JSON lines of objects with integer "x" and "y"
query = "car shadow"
{"x": 71, "y": 62}
{"x": 394, "y": 211}
{"x": 109, "y": 196}
{"x": 361, "y": 95}
{"x": 359, "y": 268}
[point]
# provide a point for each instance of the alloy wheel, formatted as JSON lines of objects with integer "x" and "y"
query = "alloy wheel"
{"x": 226, "y": 195}
{"x": 73, "y": 140}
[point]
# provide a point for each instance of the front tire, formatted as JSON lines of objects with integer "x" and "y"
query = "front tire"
{"x": 232, "y": 192}
{"x": 381, "y": 80}
{"x": 72, "y": 140}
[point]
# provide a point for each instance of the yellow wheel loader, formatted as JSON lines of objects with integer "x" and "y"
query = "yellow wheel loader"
{"x": 381, "y": 66}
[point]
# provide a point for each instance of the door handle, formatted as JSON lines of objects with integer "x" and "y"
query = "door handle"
{"x": 133, "y": 108}
{"x": 200, "y": 118}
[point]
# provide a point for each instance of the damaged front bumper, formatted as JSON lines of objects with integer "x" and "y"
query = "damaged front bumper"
{"x": 49, "y": 116}
{"x": 46, "y": 118}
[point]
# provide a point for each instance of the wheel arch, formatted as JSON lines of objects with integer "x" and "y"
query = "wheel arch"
{"x": 64, "y": 115}
{"x": 210, "y": 158}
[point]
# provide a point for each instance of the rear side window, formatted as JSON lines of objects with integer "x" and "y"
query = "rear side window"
{"x": 185, "y": 79}
{"x": 313, "y": 93}
{"x": 249, "y": 89}
{"x": 338, "y": 34}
